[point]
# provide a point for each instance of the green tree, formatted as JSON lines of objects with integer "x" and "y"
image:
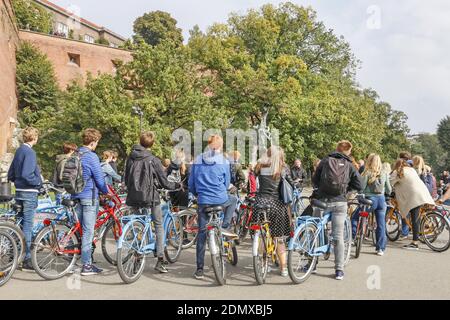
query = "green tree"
{"x": 427, "y": 146}
{"x": 283, "y": 66}
{"x": 102, "y": 103}
{"x": 156, "y": 27}
{"x": 444, "y": 133}
{"x": 36, "y": 84}
{"x": 31, "y": 16}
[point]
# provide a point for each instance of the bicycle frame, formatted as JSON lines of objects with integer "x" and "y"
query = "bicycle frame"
{"x": 320, "y": 224}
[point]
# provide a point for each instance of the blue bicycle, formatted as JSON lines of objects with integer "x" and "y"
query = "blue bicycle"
{"x": 312, "y": 239}
{"x": 12, "y": 218}
{"x": 138, "y": 240}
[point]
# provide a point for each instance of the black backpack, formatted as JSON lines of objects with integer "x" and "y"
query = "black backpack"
{"x": 335, "y": 177}
{"x": 140, "y": 182}
{"x": 72, "y": 174}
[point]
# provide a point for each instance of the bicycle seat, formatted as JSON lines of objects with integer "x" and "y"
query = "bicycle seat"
{"x": 319, "y": 204}
{"x": 69, "y": 203}
{"x": 213, "y": 209}
{"x": 365, "y": 202}
{"x": 250, "y": 200}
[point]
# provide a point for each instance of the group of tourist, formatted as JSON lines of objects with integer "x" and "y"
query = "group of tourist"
{"x": 215, "y": 178}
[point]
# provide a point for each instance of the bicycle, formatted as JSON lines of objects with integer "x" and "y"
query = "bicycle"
{"x": 221, "y": 248}
{"x": 57, "y": 246}
{"x": 365, "y": 223}
{"x": 9, "y": 256}
{"x": 138, "y": 240}
{"x": 298, "y": 205}
{"x": 311, "y": 240}
{"x": 264, "y": 247}
{"x": 244, "y": 217}
{"x": 189, "y": 220}
{"x": 434, "y": 227}
{"x": 393, "y": 220}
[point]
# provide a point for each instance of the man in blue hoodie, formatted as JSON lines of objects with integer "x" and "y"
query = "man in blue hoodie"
{"x": 209, "y": 181}
{"x": 25, "y": 174}
{"x": 87, "y": 207}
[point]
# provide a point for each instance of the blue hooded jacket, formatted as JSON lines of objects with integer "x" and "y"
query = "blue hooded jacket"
{"x": 92, "y": 175}
{"x": 210, "y": 178}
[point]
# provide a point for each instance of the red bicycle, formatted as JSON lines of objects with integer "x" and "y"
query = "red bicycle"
{"x": 244, "y": 217}
{"x": 58, "y": 245}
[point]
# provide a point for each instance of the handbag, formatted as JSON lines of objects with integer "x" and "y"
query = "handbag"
{"x": 286, "y": 191}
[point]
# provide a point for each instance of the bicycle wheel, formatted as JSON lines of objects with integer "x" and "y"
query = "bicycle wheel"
{"x": 393, "y": 225}
{"x": 18, "y": 236}
{"x": 261, "y": 259}
{"x": 173, "y": 244}
{"x": 217, "y": 256}
{"x": 55, "y": 251}
{"x": 347, "y": 240}
{"x": 130, "y": 261}
{"x": 109, "y": 242}
{"x": 231, "y": 252}
{"x": 8, "y": 256}
{"x": 301, "y": 262}
{"x": 189, "y": 221}
{"x": 435, "y": 231}
{"x": 360, "y": 232}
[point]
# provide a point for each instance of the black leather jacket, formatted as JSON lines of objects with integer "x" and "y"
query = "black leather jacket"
{"x": 270, "y": 187}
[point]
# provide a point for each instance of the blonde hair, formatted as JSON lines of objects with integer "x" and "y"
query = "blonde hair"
{"x": 372, "y": 168}
{"x": 273, "y": 159}
{"x": 29, "y": 134}
{"x": 386, "y": 168}
{"x": 419, "y": 164}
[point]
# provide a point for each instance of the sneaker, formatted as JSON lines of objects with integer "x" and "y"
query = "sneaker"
{"x": 339, "y": 275}
{"x": 198, "y": 274}
{"x": 229, "y": 233}
{"x": 411, "y": 246}
{"x": 161, "y": 267}
{"x": 284, "y": 272}
{"x": 380, "y": 253}
{"x": 27, "y": 266}
{"x": 90, "y": 270}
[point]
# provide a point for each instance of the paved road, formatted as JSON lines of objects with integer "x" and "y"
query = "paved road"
{"x": 401, "y": 274}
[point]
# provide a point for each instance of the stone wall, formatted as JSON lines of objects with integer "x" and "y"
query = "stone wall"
{"x": 9, "y": 39}
{"x": 73, "y": 60}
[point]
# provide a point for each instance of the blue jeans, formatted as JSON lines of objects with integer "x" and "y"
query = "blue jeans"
{"x": 29, "y": 201}
{"x": 405, "y": 228}
{"x": 379, "y": 208}
{"x": 87, "y": 214}
{"x": 203, "y": 219}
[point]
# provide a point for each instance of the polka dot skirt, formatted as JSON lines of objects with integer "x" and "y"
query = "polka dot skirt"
{"x": 278, "y": 216}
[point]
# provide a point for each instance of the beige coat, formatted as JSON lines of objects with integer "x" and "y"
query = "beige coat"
{"x": 410, "y": 191}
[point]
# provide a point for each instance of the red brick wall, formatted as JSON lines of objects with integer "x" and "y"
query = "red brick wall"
{"x": 93, "y": 58}
{"x": 8, "y": 98}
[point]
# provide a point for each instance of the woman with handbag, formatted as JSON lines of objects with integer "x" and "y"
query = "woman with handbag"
{"x": 272, "y": 173}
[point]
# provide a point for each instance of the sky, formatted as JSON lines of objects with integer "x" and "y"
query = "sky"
{"x": 403, "y": 45}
